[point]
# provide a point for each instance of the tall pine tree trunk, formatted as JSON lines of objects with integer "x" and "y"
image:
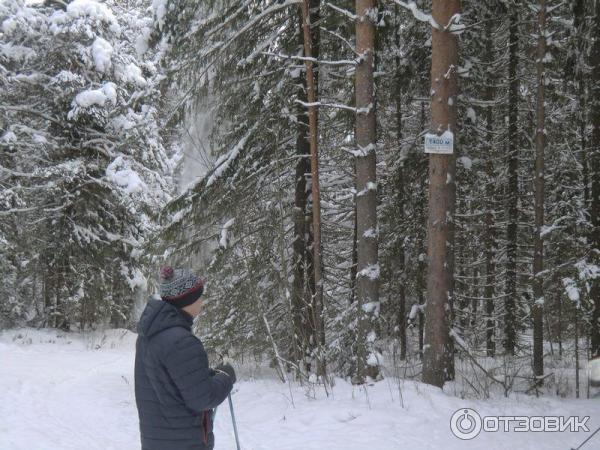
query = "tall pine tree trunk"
{"x": 301, "y": 295}
{"x": 595, "y": 173}
{"x": 490, "y": 230}
{"x": 400, "y": 268}
{"x": 438, "y": 357}
{"x": 399, "y": 256}
{"x": 310, "y": 15}
{"x": 510, "y": 333}
{"x": 538, "y": 243}
{"x": 367, "y": 286}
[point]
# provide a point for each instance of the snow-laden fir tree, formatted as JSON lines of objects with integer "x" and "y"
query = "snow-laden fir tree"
{"x": 84, "y": 167}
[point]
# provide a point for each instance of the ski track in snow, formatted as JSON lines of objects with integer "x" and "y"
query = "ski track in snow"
{"x": 67, "y": 394}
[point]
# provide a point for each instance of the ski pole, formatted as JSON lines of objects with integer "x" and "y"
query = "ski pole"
{"x": 585, "y": 442}
{"x": 237, "y": 439}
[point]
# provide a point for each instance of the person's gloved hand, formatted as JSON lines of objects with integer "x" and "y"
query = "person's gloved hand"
{"x": 228, "y": 370}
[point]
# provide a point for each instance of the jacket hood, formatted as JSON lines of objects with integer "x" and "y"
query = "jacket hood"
{"x": 159, "y": 315}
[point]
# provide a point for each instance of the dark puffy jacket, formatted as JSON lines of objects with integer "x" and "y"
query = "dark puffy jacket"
{"x": 175, "y": 390}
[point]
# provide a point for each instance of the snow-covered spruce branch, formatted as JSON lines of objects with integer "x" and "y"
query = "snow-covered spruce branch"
{"x": 222, "y": 25}
{"x": 8, "y": 212}
{"x": 225, "y": 161}
{"x": 271, "y": 9}
{"x": 328, "y": 105}
{"x": 263, "y": 45}
{"x": 221, "y": 47}
{"x": 341, "y": 38}
{"x": 361, "y": 152}
{"x": 343, "y": 62}
{"x": 342, "y": 11}
{"x": 453, "y": 25}
{"x": 417, "y": 13}
{"x": 33, "y": 112}
{"x": 15, "y": 173}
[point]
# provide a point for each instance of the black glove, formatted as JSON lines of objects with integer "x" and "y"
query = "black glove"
{"x": 228, "y": 370}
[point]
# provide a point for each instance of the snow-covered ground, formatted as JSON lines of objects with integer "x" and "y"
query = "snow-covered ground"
{"x": 72, "y": 391}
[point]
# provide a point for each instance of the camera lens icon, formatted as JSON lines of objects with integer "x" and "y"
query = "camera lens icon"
{"x": 465, "y": 424}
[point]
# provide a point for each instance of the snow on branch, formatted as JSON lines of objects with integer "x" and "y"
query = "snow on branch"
{"x": 15, "y": 173}
{"x": 330, "y": 105}
{"x": 372, "y": 272}
{"x": 454, "y": 25}
{"x": 224, "y": 240}
{"x": 343, "y": 62}
{"x": 345, "y": 12}
{"x": 341, "y": 38}
{"x": 259, "y": 17}
{"x": 260, "y": 47}
{"x": 417, "y": 13}
{"x": 225, "y": 161}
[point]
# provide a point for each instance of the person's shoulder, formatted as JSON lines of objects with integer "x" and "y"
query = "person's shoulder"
{"x": 169, "y": 340}
{"x": 173, "y": 335}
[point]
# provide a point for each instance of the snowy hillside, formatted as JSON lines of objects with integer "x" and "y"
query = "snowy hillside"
{"x": 73, "y": 391}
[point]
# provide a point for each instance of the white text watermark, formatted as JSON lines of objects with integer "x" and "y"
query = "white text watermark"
{"x": 467, "y": 423}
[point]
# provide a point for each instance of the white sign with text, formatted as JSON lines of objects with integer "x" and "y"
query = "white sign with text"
{"x": 441, "y": 145}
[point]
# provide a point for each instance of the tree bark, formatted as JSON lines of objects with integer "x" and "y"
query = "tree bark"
{"x": 400, "y": 270}
{"x": 594, "y": 168}
{"x": 490, "y": 230}
{"x": 538, "y": 242}
{"x": 366, "y": 187}
{"x": 438, "y": 355}
{"x": 510, "y": 334}
{"x": 302, "y": 294}
{"x": 309, "y": 14}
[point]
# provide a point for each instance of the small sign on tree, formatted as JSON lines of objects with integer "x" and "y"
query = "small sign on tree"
{"x": 441, "y": 145}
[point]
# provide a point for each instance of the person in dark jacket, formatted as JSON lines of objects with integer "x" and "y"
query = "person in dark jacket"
{"x": 175, "y": 390}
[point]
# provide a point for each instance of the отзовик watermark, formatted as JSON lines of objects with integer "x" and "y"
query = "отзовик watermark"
{"x": 466, "y": 423}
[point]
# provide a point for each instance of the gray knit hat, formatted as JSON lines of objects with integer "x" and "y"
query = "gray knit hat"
{"x": 179, "y": 287}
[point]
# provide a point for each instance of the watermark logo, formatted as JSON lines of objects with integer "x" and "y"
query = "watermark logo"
{"x": 467, "y": 423}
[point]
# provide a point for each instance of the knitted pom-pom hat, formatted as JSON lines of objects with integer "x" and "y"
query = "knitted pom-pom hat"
{"x": 179, "y": 287}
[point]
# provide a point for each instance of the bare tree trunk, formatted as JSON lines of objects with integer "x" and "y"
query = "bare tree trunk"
{"x": 366, "y": 188}
{"x": 538, "y": 242}
{"x": 560, "y": 325}
{"x": 400, "y": 269}
{"x": 595, "y": 174}
{"x": 490, "y": 230}
{"x": 438, "y": 356}
{"x": 353, "y": 270}
{"x": 317, "y": 304}
{"x": 301, "y": 295}
{"x": 422, "y": 267}
{"x": 510, "y": 334}
{"x": 421, "y": 298}
{"x": 577, "y": 351}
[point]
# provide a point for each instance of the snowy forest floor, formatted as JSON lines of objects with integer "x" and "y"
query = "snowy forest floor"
{"x": 74, "y": 391}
